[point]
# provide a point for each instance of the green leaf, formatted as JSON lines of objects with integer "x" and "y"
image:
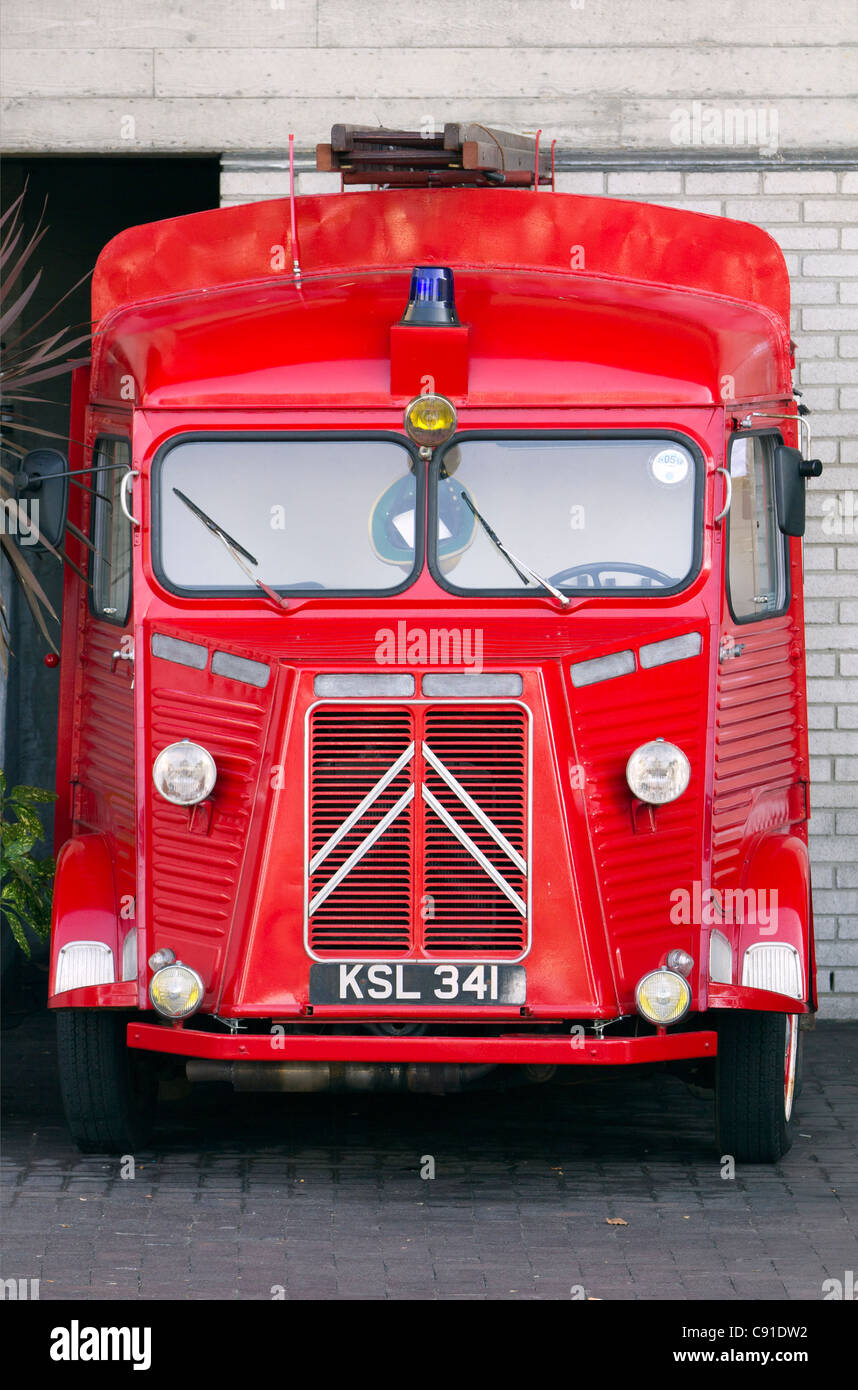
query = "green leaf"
{"x": 31, "y": 796}
{"x": 18, "y": 933}
{"x": 16, "y": 843}
{"x": 30, "y": 821}
{"x": 30, "y": 907}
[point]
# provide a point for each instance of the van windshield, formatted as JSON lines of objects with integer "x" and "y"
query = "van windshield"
{"x": 302, "y": 514}
{"x": 505, "y": 515}
{"x": 596, "y": 513}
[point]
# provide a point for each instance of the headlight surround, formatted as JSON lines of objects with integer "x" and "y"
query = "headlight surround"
{"x": 176, "y": 991}
{"x": 663, "y": 997}
{"x": 184, "y": 773}
{"x": 658, "y": 772}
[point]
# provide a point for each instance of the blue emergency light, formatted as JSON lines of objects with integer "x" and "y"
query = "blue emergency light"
{"x": 431, "y": 299}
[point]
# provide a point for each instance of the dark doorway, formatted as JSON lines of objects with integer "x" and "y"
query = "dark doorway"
{"x": 87, "y": 201}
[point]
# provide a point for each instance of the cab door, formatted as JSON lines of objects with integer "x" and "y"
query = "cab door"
{"x": 102, "y": 766}
{"x": 760, "y": 770}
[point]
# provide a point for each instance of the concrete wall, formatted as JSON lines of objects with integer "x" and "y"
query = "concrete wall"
{"x": 738, "y": 110}
{"x": 240, "y": 74}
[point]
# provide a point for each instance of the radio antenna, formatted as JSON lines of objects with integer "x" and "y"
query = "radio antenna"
{"x": 296, "y": 263}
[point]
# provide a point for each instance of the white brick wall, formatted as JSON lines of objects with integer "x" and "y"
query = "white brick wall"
{"x": 812, "y": 214}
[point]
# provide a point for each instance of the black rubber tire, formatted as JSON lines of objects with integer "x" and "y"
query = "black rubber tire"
{"x": 750, "y": 1115}
{"x": 108, "y": 1093}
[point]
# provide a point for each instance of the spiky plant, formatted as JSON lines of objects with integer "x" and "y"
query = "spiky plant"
{"x": 27, "y": 361}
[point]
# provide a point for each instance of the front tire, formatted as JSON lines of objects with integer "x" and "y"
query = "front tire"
{"x": 755, "y": 1074}
{"x": 108, "y": 1093}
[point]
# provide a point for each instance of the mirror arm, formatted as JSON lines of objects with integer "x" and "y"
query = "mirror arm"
{"x": 25, "y": 480}
{"x": 800, "y": 419}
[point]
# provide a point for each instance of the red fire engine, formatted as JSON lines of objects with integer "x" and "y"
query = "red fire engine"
{"x": 435, "y": 713}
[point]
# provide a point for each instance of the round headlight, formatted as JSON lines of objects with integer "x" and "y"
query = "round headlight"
{"x": 658, "y": 772}
{"x": 176, "y": 991}
{"x": 184, "y": 773}
{"x": 430, "y": 420}
{"x": 663, "y": 997}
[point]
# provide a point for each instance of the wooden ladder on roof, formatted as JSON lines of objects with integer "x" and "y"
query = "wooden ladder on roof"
{"x": 460, "y": 156}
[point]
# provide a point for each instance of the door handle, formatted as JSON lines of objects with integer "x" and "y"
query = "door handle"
{"x": 727, "y": 648}
{"x": 122, "y": 656}
{"x": 728, "y": 481}
{"x": 124, "y": 494}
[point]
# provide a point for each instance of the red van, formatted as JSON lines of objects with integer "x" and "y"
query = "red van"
{"x": 435, "y": 712}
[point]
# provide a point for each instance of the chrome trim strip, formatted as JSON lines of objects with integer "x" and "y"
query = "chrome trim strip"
{"x": 241, "y": 668}
{"x": 476, "y": 811}
{"x": 602, "y": 668}
{"x": 465, "y": 685}
{"x": 365, "y": 845}
{"x": 360, "y": 685}
{"x": 464, "y": 839}
{"x": 354, "y": 816}
{"x": 680, "y": 648}
{"x": 176, "y": 649}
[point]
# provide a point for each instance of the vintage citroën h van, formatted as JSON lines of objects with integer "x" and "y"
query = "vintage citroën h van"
{"x": 435, "y": 712}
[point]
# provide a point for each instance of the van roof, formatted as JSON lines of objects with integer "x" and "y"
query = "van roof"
{"x": 606, "y": 300}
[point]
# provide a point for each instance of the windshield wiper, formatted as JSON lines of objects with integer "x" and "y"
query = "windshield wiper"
{"x": 513, "y": 560}
{"x": 232, "y": 545}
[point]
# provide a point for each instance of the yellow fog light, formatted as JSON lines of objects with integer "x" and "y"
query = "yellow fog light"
{"x": 663, "y": 997}
{"x": 430, "y": 420}
{"x": 176, "y": 991}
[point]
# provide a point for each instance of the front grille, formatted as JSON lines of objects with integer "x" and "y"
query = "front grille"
{"x": 418, "y": 830}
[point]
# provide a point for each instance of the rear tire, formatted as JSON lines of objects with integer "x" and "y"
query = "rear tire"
{"x": 755, "y": 1085}
{"x": 108, "y": 1092}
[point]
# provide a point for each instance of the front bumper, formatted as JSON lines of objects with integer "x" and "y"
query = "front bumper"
{"x": 571, "y": 1051}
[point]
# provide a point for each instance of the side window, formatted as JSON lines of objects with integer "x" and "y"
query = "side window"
{"x": 110, "y": 565}
{"x": 756, "y": 563}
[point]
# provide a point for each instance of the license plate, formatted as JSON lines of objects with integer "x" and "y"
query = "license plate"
{"x": 416, "y": 982}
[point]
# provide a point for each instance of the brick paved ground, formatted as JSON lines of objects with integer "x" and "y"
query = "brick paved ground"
{"x": 322, "y": 1195}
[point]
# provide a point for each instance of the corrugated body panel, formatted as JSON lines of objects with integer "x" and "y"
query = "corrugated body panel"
{"x": 104, "y": 756}
{"x": 756, "y": 743}
{"x": 195, "y": 877}
{"x": 638, "y": 873}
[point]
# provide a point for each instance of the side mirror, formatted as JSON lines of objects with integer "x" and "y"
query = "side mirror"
{"x": 790, "y": 471}
{"x": 42, "y": 487}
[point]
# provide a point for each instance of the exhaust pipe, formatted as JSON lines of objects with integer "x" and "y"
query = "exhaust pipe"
{"x": 427, "y": 1078}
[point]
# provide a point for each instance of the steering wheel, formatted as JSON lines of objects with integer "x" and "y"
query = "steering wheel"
{"x": 594, "y": 570}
